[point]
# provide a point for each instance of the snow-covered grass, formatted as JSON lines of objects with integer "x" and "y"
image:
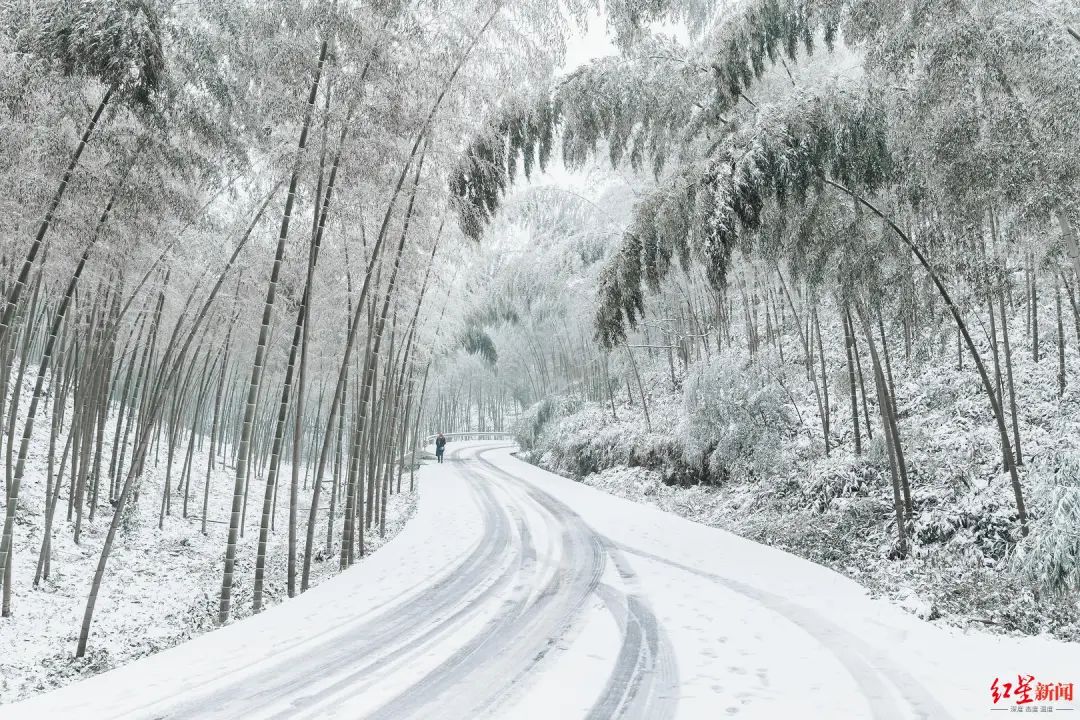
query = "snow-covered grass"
{"x": 161, "y": 587}
{"x": 746, "y": 454}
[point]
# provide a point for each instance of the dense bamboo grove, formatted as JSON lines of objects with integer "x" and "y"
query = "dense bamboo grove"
{"x": 241, "y": 237}
{"x": 225, "y": 224}
{"x": 911, "y": 189}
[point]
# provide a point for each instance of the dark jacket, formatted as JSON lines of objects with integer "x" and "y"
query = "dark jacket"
{"x": 440, "y": 443}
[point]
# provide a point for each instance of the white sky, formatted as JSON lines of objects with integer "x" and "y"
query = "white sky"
{"x": 581, "y": 47}
{"x": 593, "y": 43}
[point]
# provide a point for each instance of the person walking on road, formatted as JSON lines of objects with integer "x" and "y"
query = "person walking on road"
{"x": 440, "y": 446}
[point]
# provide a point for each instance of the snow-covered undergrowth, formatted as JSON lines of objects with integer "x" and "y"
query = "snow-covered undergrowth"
{"x": 161, "y": 587}
{"x": 738, "y": 445}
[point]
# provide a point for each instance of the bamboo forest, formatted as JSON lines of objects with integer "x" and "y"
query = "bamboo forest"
{"x": 642, "y": 359}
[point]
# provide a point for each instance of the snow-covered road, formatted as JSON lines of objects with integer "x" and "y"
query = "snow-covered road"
{"x": 518, "y": 594}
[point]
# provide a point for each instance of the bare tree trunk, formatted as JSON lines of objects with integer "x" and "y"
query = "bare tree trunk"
{"x": 1060, "y": 339}
{"x": 215, "y": 424}
{"x": 53, "y": 480}
{"x": 143, "y": 443}
{"x": 995, "y": 354}
{"x": 893, "y": 429}
{"x": 607, "y": 384}
{"x": 806, "y": 347}
{"x": 883, "y": 407}
{"x": 1034, "y": 322}
{"x": 859, "y": 372}
{"x": 1019, "y": 456}
{"x": 999, "y": 416}
{"x": 641, "y": 387}
{"x": 848, "y": 345}
{"x": 1073, "y": 304}
{"x": 824, "y": 380}
{"x": 260, "y": 350}
{"x": 336, "y": 478}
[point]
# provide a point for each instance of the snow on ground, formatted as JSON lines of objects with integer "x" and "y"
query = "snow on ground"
{"x": 160, "y": 587}
{"x": 767, "y": 615}
{"x": 781, "y": 489}
{"x": 474, "y": 611}
{"x": 915, "y": 584}
{"x": 282, "y": 643}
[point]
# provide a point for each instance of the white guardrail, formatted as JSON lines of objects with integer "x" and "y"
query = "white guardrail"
{"x": 471, "y": 436}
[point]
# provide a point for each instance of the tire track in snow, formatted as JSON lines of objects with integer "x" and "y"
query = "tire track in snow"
{"x": 586, "y": 565}
{"x": 445, "y": 601}
{"x": 643, "y": 683}
{"x": 363, "y": 676}
{"x": 872, "y": 671}
{"x": 380, "y": 661}
{"x": 545, "y": 589}
{"x": 481, "y": 676}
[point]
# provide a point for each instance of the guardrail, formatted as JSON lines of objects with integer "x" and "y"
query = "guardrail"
{"x": 471, "y": 436}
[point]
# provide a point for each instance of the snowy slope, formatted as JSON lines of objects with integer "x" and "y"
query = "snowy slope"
{"x": 518, "y": 594}
{"x": 161, "y": 586}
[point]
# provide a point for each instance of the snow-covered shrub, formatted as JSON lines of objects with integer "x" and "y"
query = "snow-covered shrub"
{"x": 584, "y": 439}
{"x": 667, "y": 455}
{"x": 841, "y": 476}
{"x": 993, "y": 598}
{"x": 735, "y": 420}
{"x": 575, "y": 443}
{"x": 590, "y": 440}
{"x": 1050, "y": 556}
{"x": 941, "y": 388}
{"x": 840, "y": 540}
{"x": 954, "y": 451}
{"x": 62, "y": 667}
{"x": 978, "y": 527}
{"x": 532, "y": 422}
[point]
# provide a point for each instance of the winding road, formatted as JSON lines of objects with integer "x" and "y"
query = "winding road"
{"x": 518, "y": 594}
